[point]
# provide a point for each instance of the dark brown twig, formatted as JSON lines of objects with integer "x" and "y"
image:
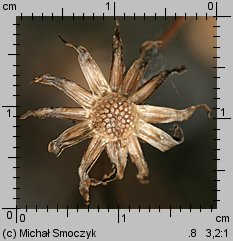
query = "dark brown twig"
{"x": 171, "y": 31}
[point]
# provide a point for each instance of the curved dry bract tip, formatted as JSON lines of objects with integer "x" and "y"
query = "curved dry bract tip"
{"x": 150, "y": 44}
{"x": 25, "y": 115}
{"x": 37, "y": 79}
{"x": 84, "y": 191}
{"x": 62, "y": 39}
{"x": 53, "y": 148}
{"x": 68, "y": 44}
{"x": 43, "y": 79}
{"x": 207, "y": 108}
{"x": 179, "y": 69}
{"x": 150, "y": 48}
{"x": 117, "y": 30}
{"x": 117, "y": 23}
{"x": 142, "y": 180}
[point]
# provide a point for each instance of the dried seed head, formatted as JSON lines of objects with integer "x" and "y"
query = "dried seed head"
{"x": 113, "y": 116}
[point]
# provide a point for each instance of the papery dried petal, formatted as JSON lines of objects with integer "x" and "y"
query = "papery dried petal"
{"x": 146, "y": 90}
{"x": 117, "y": 152}
{"x": 136, "y": 155}
{"x": 155, "y": 136}
{"x": 94, "y": 150}
{"x": 133, "y": 77}
{"x": 68, "y": 113}
{"x": 136, "y": 72}
{"x": 157, "y": 114}
{"x": 117, "y": 68}
{"x": 73, "y": 90}
{"x": 95, "y": 79}
{"x": 70, "y": 137}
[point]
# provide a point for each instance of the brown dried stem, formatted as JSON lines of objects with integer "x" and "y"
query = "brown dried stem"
{"x": 172, "y": 31}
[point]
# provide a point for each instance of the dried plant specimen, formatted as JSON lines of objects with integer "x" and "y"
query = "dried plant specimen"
{"x": 112, "y": 113}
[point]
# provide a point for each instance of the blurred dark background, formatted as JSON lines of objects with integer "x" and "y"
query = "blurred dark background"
{"x": 181, "y": 176}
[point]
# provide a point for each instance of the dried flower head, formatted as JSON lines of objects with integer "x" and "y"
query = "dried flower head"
{"x": 112, "y": 114}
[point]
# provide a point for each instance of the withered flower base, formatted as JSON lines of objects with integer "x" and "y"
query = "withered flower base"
{"x": 111, "y": 113}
